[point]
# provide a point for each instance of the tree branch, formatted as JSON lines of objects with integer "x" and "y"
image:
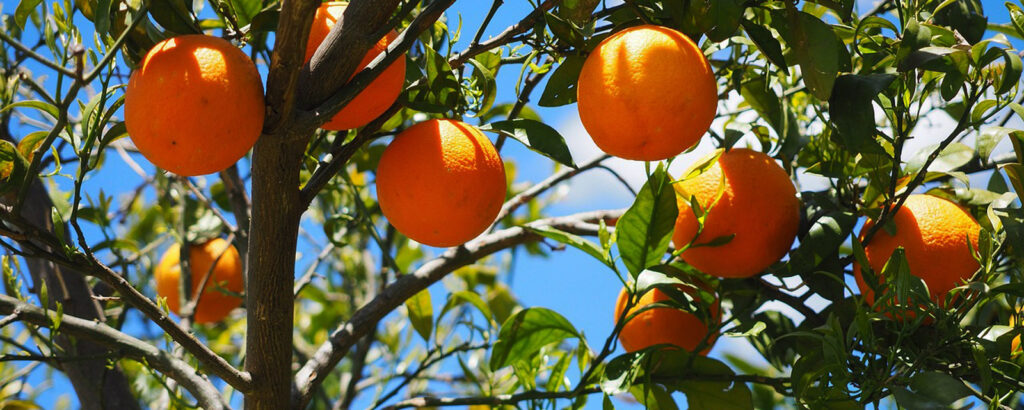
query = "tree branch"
{"x": 287, "y": 60}
{"x": 326, "y": 84}
{"x": 143, "y": 352}
{"x": 91, "y": 266}
{"x": 362, "y": 321}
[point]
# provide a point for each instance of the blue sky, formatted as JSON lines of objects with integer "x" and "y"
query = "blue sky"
{"x": 569, "y": 281}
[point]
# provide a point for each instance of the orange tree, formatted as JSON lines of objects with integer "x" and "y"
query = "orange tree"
{"x": 837, "y": 97}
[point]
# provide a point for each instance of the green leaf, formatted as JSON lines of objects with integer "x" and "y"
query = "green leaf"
{"x": 915, "y": 37}
{"x": 700, "y": 393}
{"x": 245, "y": 10}
{"x": 13, "y": 167}
{"x": 769, "y": 46}
{"x": 537, "y": 136}
{"x": 575, "y": 241}
{"x": 653, "y": 397}
{"x": 564, "y": 31}
{"x": 725, "y": 15}
{"x": 561, "y": 87}
{"x": 39, "y": 105}
{"x": 852, "y": 113}
{"x": 1016, "y": 174}
{"x": 421, "y": 313}
{"x": 266, "y": 20}
{"x": 645, "y": 229}
{"x": 1011, "y": 72}
{"x": 485, "y": 81}
{"x": 931, "y": 390}
{"x": 526, "y": 332}
{"x": 823, "y": 240}
{"x": 457, "y": 298}
{"x": 25, "y": 8}
{"x": 818, "y": 58}
{"x": 951, "y": 158}
{"x": 764, "y": 100}
{"x": 174, "y": 15}
{"x": 440, "y": 90}
{"x": 1016, "y": 17}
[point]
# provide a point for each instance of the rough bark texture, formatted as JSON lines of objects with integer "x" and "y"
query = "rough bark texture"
{"x": 269, "y": 299}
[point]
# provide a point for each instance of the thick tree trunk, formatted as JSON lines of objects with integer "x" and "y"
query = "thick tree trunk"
{"x": 269, "y": 299}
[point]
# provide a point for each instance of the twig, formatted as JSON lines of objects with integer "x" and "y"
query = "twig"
{"x": 145, "y": 353}
{"x": 515, "y": 202}
{"x": 327, "y": 356}
{"x": 311, "y": 271}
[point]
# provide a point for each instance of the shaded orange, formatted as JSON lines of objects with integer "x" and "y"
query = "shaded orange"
{"x": 376, "y": 97}
{"x": 441, "y": 182}
{"x": 194, "y": 105}
{"x": 646, "y": 93}
{"x": 214, "y": 304}
{"x": 758, "y": 205}
{"x": 933, "y": 233}
{"x": 663, "y": 325}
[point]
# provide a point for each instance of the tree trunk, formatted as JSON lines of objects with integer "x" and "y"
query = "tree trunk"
{"x": 269, "y": 300}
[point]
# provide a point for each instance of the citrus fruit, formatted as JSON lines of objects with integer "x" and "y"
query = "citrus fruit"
{"x": 662, "y": 325}
{"x": 214, "y": 304}
{"x": 194, "y": 105}
{"x": 376, "y": 97}
{"x": 646, "y": 93}
{"x": 933, "y": 233}
{"x": 758, "y": 208}
{"x": 441, "y": 182}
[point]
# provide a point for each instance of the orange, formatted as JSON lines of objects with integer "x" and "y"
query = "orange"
{"x": 194, "y": 105}
{"x": 662, "y": 325}
{"x": 441, "y": 182}
{"x": 758, "y": 205}
{"x": 646, "y": 93}
{"x": 933, "y": 233}
{"x": 214, "y": 304}
{"x": 376, "y": 97}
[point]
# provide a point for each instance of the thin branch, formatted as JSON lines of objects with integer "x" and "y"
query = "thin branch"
{"x": 491, "y": 401}
{"x": 287, "y": 61}
{"x": 35, "y": 56}
{"x": 327, "y": 356}
{"x": 143, "y": 352}
{"x": 504, "y": 37}
{"x": 89, "y": 265}
{"x": 515, "y": 202}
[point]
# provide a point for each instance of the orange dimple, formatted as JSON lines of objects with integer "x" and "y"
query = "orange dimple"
{"x": 662, "y": 325}
{"x": 646, "y": 93}
{"x": 758, "y": 206}
{"x": 441, "y": 182}
{"x": 933, "y": 233}
{"x": 375, "y": 98}
{"x": 194, "y": 105}
{"x": 214, "y": 304}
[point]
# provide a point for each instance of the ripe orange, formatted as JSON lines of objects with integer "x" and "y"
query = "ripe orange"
{"x": 933, "y": 233}
{"x": 375, "y": 98}
{"x": 214, "y": 305}
{"x": 194, "y": 105}
{"x": 758, "y": 205}
{"x": 646, "y": 93}
{"x": 441, "y": 182}
{"x": 662, "y": 325}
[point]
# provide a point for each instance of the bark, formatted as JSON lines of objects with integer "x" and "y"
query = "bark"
{"x": 269, "y": 299}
